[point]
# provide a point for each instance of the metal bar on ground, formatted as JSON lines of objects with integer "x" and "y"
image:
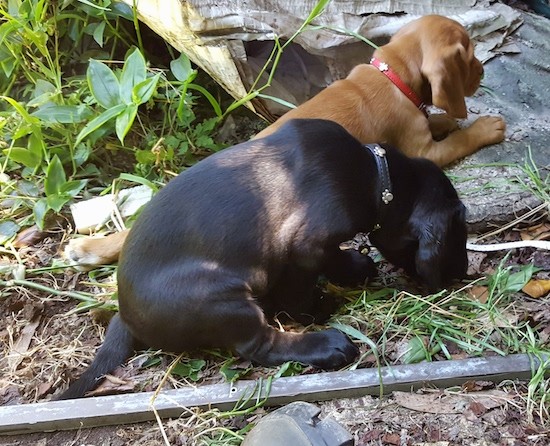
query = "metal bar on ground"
{"x": 137, "y": 407}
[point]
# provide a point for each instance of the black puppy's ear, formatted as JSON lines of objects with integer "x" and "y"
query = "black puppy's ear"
{"x": 435, "y": 231}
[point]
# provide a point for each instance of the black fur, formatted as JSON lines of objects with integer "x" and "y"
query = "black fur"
{"x": 246, "y": 233}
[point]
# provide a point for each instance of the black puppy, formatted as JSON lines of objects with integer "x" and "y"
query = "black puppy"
{"x": 246, "y": 233}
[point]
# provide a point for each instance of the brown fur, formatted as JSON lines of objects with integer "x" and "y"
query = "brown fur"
{"x": 435, "y": 57}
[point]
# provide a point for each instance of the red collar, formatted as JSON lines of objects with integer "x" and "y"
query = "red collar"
{"x": 392, "y": 76}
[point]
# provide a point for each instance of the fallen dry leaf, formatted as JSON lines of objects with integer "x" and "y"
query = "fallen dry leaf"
{"x": 44, "y": 389}
{"x": 475, "y": 259}
{"x": 478, "y": 385}
{"x": 21, "y": 345}
{"x": 538, "y": 232}
{"x": 537, "y": 288}
{"x": 479, "y": 293}
{"x": 112, "y": 385}
{"x": 29, "y": 237}
{"x": 451, "y": 403}
{"x": 477, "y": 408}
{"x": 436, "y": 402}
{"x": 394, "y": 439}
{"x": 371, "y": 435}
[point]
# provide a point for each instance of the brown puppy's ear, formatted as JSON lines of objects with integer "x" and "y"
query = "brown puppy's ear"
{"x": 446, "y": 71}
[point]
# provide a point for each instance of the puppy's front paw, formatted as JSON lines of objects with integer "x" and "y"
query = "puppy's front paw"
{"x": 490, "y": 129}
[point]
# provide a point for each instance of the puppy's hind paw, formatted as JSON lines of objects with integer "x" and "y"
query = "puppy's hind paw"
{"x": 79, "y": 257}
{"x": 88, "y": 252}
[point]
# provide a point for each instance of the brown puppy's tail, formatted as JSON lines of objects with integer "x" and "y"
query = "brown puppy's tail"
{"x": 117, "y": 347}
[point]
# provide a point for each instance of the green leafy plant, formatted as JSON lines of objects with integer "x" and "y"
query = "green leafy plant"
{"x": 41, "y": 107}
{"x": 189, "y": 368}
{"x": 65, "y": 98}
{"x": 119, "y": 96}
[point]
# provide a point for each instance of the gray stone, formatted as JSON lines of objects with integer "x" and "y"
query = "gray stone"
{"x": 493, "y": 183}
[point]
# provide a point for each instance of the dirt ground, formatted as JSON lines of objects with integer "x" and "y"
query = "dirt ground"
{"x": 56, "y": 344}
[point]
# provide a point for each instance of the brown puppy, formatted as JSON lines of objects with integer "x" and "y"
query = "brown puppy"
{"x": 433, "y": 58}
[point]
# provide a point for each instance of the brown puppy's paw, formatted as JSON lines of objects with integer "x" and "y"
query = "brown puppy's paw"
{"x": 489, "y": 129}
{"x": 88, "y": 252}
{"x": 81, "y": 255}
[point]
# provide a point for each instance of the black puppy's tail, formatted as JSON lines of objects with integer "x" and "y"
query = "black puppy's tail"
{"x": 117, "y": 347}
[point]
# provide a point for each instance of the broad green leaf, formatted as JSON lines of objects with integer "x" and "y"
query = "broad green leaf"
{"x": 40, "y": 210}
{"x": 516, "y": 281}
{"x": 42, "y": 87}
{"x": 120, "y": 9}
{"x": 36, "y": 145}
{"x": 189, "y": 369}
{"x": 289, "y": 368}
{"x": 143, "y": 91}
{"x": 81, "y": 154}
{"x": 98, "y": 33}
{"x": 71, "y": 188}
{"x": 125, "y": 120}
{"x": 151, "y": 362}
{"x": 55, "y": 177}
{"x": 15, "y": 8}
{"x": 20, "y": 109}
{"x": 7, "y": 63}
{"x": 145, "y": 156}
{"x": 134, "y": 72}
{"x": 7, "y": 28}
{"x": 64, "y": 114}
{"x": 416, "y": 351}
{"x": 23, "y": 156}
{"x": 97, "y": 122}
{"x": 181, "y": 68}
{"x": 231, "y": 372}
{"x": 8, "y": 229}
{"x": 43, "y": 92}
{"x": 103, "y": 84}
{"x": 57, "y": 201}
{"x": 184, "y": 112}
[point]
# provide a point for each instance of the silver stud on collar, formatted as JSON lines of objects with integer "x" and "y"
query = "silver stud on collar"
{"x": 379, "y": 151}
{"x": 387, "y": 196}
